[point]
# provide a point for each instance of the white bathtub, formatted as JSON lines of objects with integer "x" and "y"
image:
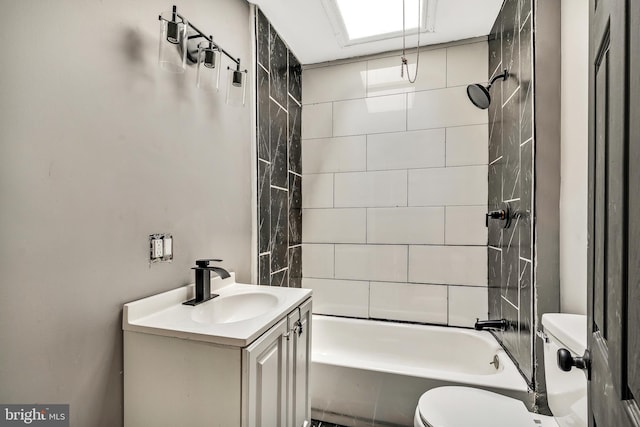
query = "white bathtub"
{"x": 367, "y": 373}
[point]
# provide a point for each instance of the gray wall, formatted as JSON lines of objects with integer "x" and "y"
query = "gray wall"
{"x": 575, "y": 137}
{"x": 98, "y": 149}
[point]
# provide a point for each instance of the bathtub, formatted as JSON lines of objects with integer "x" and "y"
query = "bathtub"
{"x": 372, "y": 373}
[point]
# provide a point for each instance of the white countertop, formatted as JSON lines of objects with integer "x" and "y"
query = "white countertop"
{"x": 164, "y": 314}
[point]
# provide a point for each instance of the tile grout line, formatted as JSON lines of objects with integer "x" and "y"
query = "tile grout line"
{"x": 278, "y": 104}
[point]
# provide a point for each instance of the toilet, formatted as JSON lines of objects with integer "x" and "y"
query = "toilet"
{"x": 456, "y": 406}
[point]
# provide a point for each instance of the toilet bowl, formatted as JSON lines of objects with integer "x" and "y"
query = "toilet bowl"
{"x": 456, "y": 406}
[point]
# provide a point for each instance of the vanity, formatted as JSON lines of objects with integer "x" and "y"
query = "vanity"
{"x": 240, "y": 359}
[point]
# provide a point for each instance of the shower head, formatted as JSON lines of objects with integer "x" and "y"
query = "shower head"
{"x": 479, "y": 94}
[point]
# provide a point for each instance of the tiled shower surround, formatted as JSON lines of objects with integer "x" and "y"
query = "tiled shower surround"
{"x": 511, "y": 169}
{"x": 395, "y": 187}
{"x": 279, "y": 89}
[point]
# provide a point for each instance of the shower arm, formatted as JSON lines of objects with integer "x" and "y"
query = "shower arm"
{"x": 503, "y": 76}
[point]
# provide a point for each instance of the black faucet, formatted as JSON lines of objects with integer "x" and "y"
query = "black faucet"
{"x": 203, "y": 280}
{"x": 491, "y": 324}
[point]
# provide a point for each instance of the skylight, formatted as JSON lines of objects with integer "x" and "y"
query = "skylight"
{"x": 361, "y": 21}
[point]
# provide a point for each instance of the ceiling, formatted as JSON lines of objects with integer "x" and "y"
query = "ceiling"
{"x": 305, "y": 27}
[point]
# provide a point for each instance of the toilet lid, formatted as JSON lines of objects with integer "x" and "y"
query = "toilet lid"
{"x": 453, "y": 406}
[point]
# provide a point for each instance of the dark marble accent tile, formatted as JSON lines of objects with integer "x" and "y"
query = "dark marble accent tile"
{"x": 295, "y": 282}
{"x": 295, "y": 77}
{"x": 264, "y": 270}
{"x": 510, "y": 335}
{"x": 526, "y": 301}
{"x": 278, "y": 141}
{"x": 511, "y": 260}
{"x": 263, "y": 115}
{"x": 279, "y": 229}
{"x": 526, "y": 112}
{"x": 511, "y": 150}
{"x": 278, "y": 59}
{"x": 496, "y": 232}
{"x": 295, "y": 267}
{"x": 495, "y": 282}
{"x": 526, "y": 323}
{"x": 495, "y": 201}
{"x": 525, "y": 9}
{"x": 495, "y": 124}
{"x": 525, "y": 95}
{"x": 295, "y": 134}
{"x": 263, "y": 39}
{"x": 495, "y": 48}
{"x": 295, "y": 209}
{"x": 281, "y": 278}
{"x": 517, "y": 344}
{"x": 495, "y": 184}
{"x": 264, "y": 207}
{"x": 526, "y": 200}
{"x": 510, "y": 47}
{"x": 295, "y": 226}
{"x": 295, "y": 191}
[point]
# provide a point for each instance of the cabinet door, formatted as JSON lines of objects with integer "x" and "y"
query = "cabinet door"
{"x": 299, "y": 342}
{"x": 264, "y": 379}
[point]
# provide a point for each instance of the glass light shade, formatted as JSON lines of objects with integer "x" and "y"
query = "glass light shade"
{"x": 236, "y": 87}
{"x": 172, "y": 53}
{"x": 208, "y": 74}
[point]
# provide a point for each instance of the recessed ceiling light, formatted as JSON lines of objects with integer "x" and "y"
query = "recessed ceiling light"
{"x": 361, "y": 21}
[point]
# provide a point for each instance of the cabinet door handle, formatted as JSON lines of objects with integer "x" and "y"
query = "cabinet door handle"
{"x": 298, "y": 328}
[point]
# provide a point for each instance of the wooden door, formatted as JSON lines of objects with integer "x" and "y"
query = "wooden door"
{"x": 614, "y": 214}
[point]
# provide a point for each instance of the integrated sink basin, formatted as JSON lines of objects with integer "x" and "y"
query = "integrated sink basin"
{"x": 235, "y": 308}
{"x": 239, "y": 315}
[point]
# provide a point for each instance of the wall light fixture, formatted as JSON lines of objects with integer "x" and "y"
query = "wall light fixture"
{"x": 181, "y": 43}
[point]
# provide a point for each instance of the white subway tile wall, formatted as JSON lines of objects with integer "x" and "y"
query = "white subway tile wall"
{"x": 339, "y": 297}
{"x": 463, "y": 185}
{"x": 441, "y": 108}
{"x": 371, "y": 262}
{"x": 467, "y": 145}
{"x": 465, "y": 225}
{"x": 340, "y": 82}
{"x": 317, "y": 121}
{"x": 467, "y": 304}
{"x": 451, "y": 265}
{"x": 344, "y": 154}
{"x": 409, "y": 302}
{"x": 371, "y": 189}
{"x": 406, "y": 150}
{"x": 318, "y": 260}
{"x": 383, "y": 75}
{"x": 319, "y": 192}
{"x": 334, "y": 225}
{"x": 370, "y": 115}
{"x": 395, "y": 188}
{"x": 406, "y": 225}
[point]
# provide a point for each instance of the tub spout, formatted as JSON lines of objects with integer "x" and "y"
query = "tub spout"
{"x": 491, "y": 324}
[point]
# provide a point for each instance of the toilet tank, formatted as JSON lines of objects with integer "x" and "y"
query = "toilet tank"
{"x": 566, "y": 391}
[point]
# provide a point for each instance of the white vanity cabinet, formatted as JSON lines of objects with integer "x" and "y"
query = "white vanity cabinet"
{"x": 276, "y": 374}
{"x": 173, "y": 378}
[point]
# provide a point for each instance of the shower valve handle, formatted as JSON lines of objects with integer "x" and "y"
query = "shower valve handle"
{"x": 501, "y": 214}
